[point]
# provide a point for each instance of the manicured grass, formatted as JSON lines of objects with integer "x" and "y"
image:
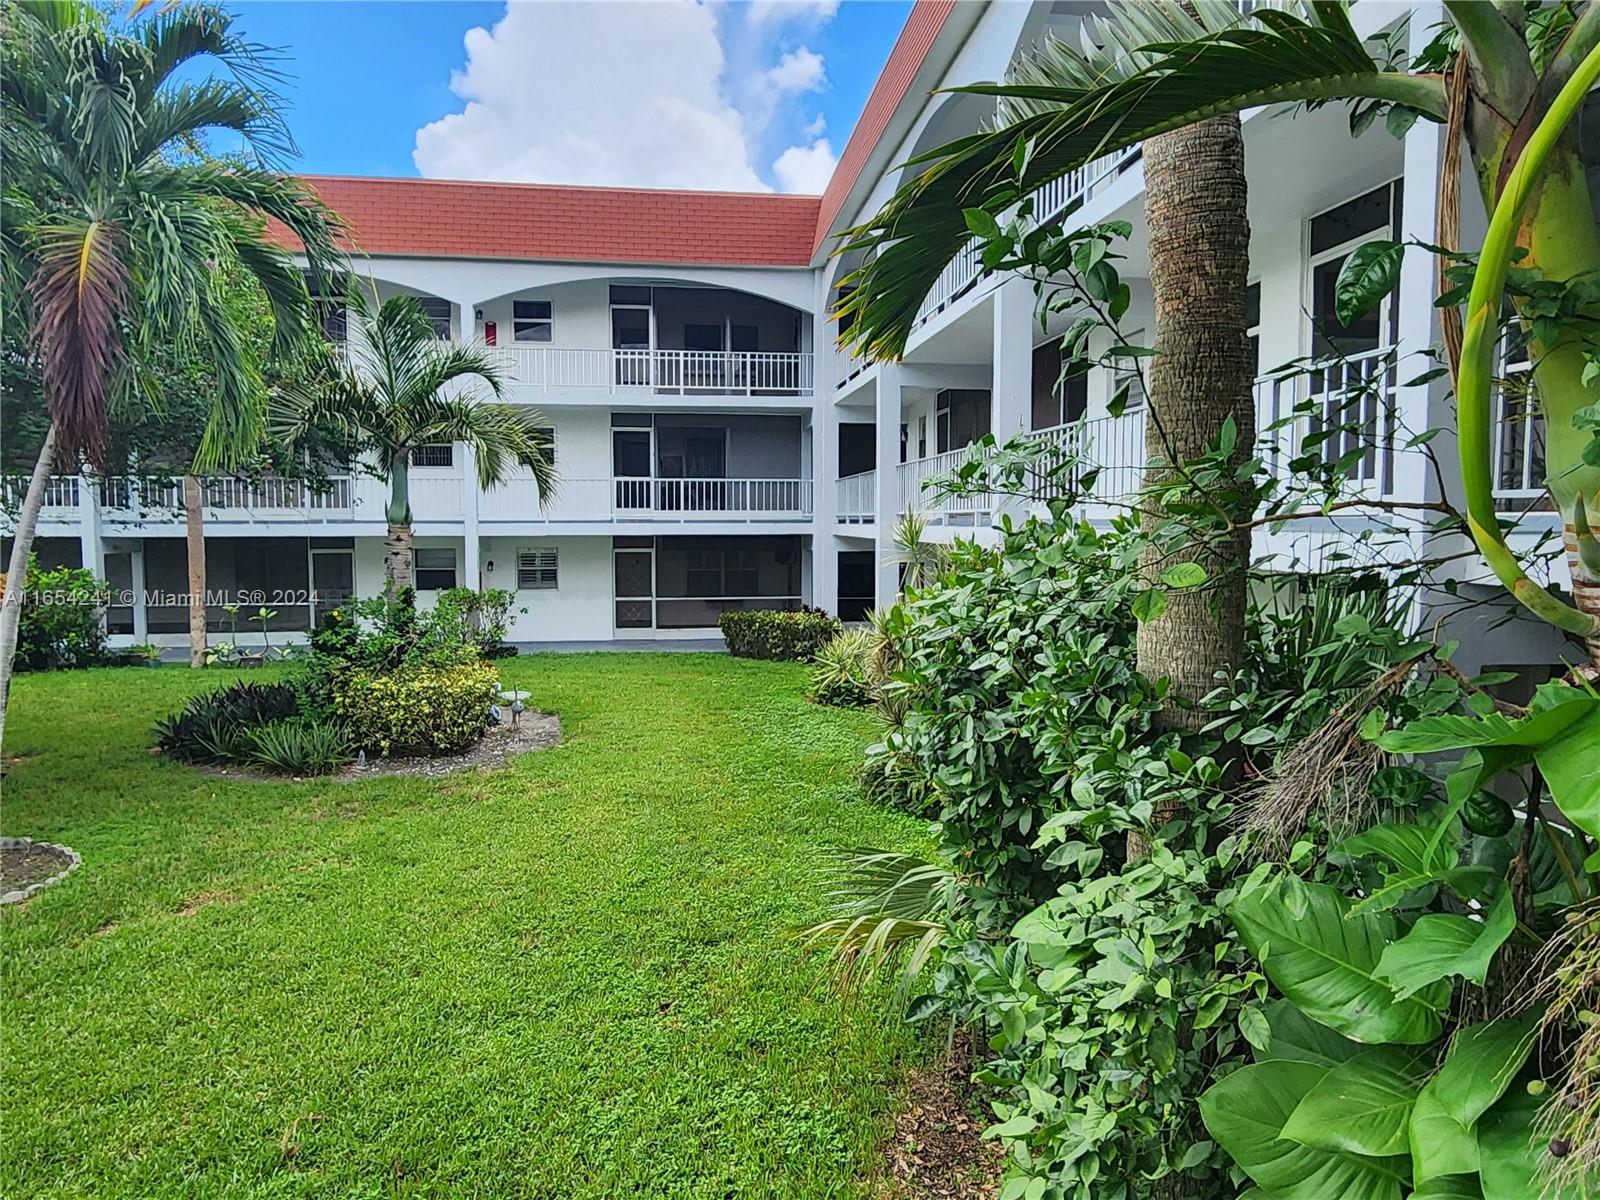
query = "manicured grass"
{"x": 572, "y": 977}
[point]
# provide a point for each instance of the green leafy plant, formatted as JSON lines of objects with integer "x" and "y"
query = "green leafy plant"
{"x": 298, "y": 746}
{"x": 415, "y": 709}
{"x": 213, "y": 726}
{"x": 844, "y": 672}
{"x": 770, "y": 634}
{"x": 60, "y": 623}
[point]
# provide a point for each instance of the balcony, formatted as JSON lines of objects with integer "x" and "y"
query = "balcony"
{"x": 623, "y": 499}
{"x": 656, "y": 372}
{"x": 857, "y": 499}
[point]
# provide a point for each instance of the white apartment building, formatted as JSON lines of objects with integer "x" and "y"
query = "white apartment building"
{"x": 717, "y": 451}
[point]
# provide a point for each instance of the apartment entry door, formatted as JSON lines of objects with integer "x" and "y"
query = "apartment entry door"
{"x": 634, "y": 575}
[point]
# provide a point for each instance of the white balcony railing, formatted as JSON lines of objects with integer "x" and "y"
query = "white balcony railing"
{"x": 1519, "y": 434}
{"x": 670, "y": 372}
{"x": 1111, "y": 446}
{"x": 633, "y": 499}
{"x": 60, "y": 491}
{"x": 857, "y": 498}
{"x": 1341, "y": 411}
{"x": 229, "y": 497}
{"x": 973, "y": 508}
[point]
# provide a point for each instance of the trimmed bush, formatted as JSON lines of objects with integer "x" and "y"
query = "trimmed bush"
{"x": 60, "y": 625}
{"x": 297, "y": 746}
{"x": 845, "y": 674}
{"x": 417, "y": 709}
{"x": 784, "y": 636}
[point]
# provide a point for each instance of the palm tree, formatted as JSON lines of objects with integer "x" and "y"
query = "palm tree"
{"x": 115, "y": 237}
{"x": 1157, "y": 68}
{"x": 388, "y": 397}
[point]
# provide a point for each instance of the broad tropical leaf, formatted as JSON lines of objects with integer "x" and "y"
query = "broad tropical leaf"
{"x": 1295, "y": 1037}
{"x": 1246, "y": 1114}
{"x": 1515, "y": 1161}
{"x": 1480, "y": 1065}
{"x": 1326, "y": 962}
{"x": 1362, "y": 1106}
{"x": 1146, "y": 70}
{"x": 1440, "y": 945}
{"x": 1416, "y": 856}
{"x": 1369, "y": 274}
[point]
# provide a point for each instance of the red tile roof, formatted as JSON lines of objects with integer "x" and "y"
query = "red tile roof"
{"x": 442, "y": 218}
{"x": 922, "y": 26}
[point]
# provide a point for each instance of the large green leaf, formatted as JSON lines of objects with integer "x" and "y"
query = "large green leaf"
{"x": 1516, "y": 1161}
{"x": 1370, "y": 273}
{"x": 1362, "y": 1106}
{"x": 1326, "y": 962}
{"x": 1295, "y": 1037}
{"x": 1480, "y": 1065}
{"x": 1246, "y": 1113}
{"x": 1570, "y": 764}
{"x": 1440, "y": 945}
{"x": 1453, "y": 731}
{"x": 1449, "y": 1187}
{"x": 1417, "y": 855}
{"x": 1161, "y": 68}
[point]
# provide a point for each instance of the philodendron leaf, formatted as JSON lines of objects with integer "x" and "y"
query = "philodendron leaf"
{"x": 1368, "y": 275}
{"x": 1295, "y": 1037}
{"x": 1453, "y": 731}
{"x": 1440, "y": 945}
{"x": 1480, "y": 1065}
{"x": 1362, "y": 1106}
{"x": 1246, "y": 1112}
{"x": 1570, "y": 764}
{"x": 1449, "y": 1187}
{"x": 1326, "y": 963}
{"x": 1416, "y": 855}
{"x": 1515, "y": 1160}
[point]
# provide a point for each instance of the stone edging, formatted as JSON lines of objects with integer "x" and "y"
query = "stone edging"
{"x": 74, "y": 860}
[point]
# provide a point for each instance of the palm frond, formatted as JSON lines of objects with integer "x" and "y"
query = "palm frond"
{"x": 1070, "y": 105}
{"x": 889, "y": 908}
{"x": 78, "y": 290}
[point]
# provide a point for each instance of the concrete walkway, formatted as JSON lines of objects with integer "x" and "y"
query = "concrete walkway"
{"x": 627, "y": 646}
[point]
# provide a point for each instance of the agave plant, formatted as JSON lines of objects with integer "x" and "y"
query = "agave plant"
{"x": 1146, "y": 69}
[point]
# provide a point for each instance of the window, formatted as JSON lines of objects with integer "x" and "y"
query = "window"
{"x": 532, "y": 321}
{"x": 1333, "y": 235}
{"x": 435, "y": 569}
{"x": 627, "y": 294}
{"x": 545, "y": 435}
{"x": 745, "y": 338}
{"x": 702, "y": 337}
{"x": 435, "y": 454}
{"x": 437, "y": 310}
{"x": 537, "y": 569}
{"x": 961, "y": 417}
{"x": 1060, "y": 386}
{"x": 1252, "y": 324}
{"x": 1127, "y": 378}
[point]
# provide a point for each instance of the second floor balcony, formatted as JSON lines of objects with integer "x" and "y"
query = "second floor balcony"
{"x": 657, "y": 372}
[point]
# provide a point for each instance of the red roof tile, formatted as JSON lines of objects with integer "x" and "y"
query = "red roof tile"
{"x": 439, "y": 218}
{"x": 922, "y": 26}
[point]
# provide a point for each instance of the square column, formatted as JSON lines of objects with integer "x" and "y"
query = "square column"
{"x": 471, "y": 574}
{"x": 1011, "y": 394}
{"x": 887, "y": 467}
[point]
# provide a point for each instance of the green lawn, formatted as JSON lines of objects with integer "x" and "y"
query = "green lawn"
{"x": 571, "y": 977}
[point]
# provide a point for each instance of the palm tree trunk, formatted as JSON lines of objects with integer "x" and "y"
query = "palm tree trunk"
{"x": 194, "y": 520}
{"x": 397, "y": 568}
{"x": 1200, "y": 377}
{"x": 16, "y": 576}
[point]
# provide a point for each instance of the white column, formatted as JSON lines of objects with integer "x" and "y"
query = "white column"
{"x": 824, "y": 457}
{"x": 1011, "y": 392}
{"x": 1421, "y": 407}
{"x": 471, "y": 574}
{"x": 91, "y": 547}
{"x": 141, "y": 620}
{"x": 888, "y": 472}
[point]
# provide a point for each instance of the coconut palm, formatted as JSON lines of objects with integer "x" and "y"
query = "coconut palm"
{"x": 115, "y": 236}
{"x": 1150, "y": 68}
{"x": 389, "y": 396}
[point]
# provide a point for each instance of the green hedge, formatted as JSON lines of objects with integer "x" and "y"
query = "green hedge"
{"x": 416, "y": 709}
{"x": 789, "y": 636}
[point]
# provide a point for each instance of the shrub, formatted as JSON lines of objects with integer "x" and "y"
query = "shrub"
{"x": 485, "y": 617}
{"x": 213, "y": 726}
{"x": 787, "y": 636}
{"x": 60, "y": 624}
{"x": 389, "y": 631}
{"x": 297, "y": 746}
{"x": 845, "y": 674}
{"x": 417, "y": 709}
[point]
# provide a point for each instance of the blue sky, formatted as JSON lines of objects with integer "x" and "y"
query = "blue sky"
{"x": 603, "y": 91}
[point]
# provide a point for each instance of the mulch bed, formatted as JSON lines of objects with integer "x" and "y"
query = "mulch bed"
{"x": 532, "y": 731}
{"x": 937, "y": 1151}
{"x": 27, "y": 866}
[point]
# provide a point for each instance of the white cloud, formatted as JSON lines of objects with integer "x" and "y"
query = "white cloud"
{"x": 636, "y": 93}
{"x": 805, "y": 169}
{"x": 798, "y": 71}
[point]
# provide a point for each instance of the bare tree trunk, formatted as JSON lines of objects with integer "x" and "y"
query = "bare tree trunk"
{"x": 194, "y": 520}
{"x": 397, "y": 557}
{"x": 1201, "y": 376}
{"x": 17, "y": 575}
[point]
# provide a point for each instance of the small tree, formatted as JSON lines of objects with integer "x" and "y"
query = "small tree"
{"x": 389, "y": 399}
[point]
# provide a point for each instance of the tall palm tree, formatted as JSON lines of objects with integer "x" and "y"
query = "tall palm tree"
{"x": 114, "y": 235}
{"x": 388, "y": 396}
{"x": 1152, "y": 68}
